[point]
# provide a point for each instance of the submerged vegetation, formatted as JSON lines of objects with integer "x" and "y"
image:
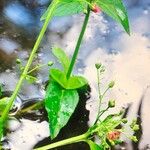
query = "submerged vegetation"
{"x": 62, "y": 96}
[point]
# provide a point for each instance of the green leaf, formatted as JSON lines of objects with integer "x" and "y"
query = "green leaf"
{"x": 94, "y": 146}
{"x": 3, "y": 103}
{"x": 62, "y": 57}
{"x": 73, "y": 82}
{"x": 116, "y": 10}
{"x": 60, "y": 104}
{"x": 66, "y": 7}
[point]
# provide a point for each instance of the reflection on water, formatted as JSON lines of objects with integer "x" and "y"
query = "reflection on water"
{"x": 21, "y": 16}
{"x": 126, "y": 58}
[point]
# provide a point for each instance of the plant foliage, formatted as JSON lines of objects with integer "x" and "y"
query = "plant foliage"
{"x": 73, "y": 82}
{"x": 62, "y": 58}
{"x": 58, "y": 78}
{"x": 60, "y": 103}
{"x": 113, "y": 8}
{"x": 61, "y": 95}
{"x": 67, "y": 7}
{"x": 116, "y": 10}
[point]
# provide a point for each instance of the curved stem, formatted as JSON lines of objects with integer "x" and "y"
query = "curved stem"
{"x": 75, "y": 54}
{"x": 32, "y": 55}
{"x": 72, "y": 140}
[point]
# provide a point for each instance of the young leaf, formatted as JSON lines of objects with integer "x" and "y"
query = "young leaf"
{"x": 94, "y": 146}
{"x": 66, "y": 7}
{"x": 62, "y": 57}
{"x": 60, "y": 104}
{"x": 73, "y": 82}
{"x": 116, "y": 10}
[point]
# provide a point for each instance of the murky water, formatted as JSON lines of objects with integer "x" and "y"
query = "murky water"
{"x": 126, "y": 58}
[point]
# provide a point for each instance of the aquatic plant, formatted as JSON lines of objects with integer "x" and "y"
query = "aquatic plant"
{"x": 108, "y": 130}
{"x": 61, "y": 94}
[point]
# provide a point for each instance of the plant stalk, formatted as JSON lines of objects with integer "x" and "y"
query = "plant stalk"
{"x": 99, "y": 95}
{"x": 36, "y": 68}
{"x": 76, "y": 51}
{"x": 72, "y": 140}
{"x": 32, "y": 55}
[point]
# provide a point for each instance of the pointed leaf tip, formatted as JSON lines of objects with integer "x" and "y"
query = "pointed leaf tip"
{"x": 60, "y": 105}
{"x": 116, "y": 10}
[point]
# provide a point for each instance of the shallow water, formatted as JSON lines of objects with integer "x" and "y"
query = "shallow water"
{"x": 126, "y": 58}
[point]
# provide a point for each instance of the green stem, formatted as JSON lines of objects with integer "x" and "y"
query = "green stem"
{"x": 105, "y": 92}
{"x": 100, "y": 102}
{"x": 99, "y": 94}
{"x": 76, "y": 51}
{"x": 72, "y": 140}
{"x": 102, "y": 112}
{"x": 36, "y": 68}
{"x": 32, "y": 55}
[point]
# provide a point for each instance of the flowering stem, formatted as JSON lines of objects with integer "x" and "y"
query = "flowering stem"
{"x": 75, "y": 54}
{"x": 99, "y": 94}
{"x": 32, "y": 55}
{"x": 72, "y": 140}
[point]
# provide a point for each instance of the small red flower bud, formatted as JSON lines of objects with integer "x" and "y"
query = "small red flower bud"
{"x": 113, "y": 135}
{"x": 96, "y": 9}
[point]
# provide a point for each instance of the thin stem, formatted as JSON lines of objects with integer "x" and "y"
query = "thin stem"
{"x": 37, "y": 67}
{"x": 98, "y": 84}
{"x": 32, "y": 55}
{"x": 102, "y": 112}
{"x": 72, "y": 140}
{"x": 99, "y": 95}
{"x": 76, "y": 51}
{"x": 105, "y": 92}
